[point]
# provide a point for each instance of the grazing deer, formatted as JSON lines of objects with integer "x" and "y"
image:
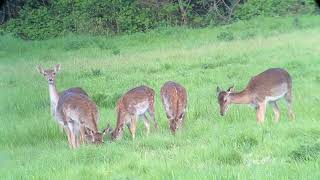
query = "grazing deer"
{"x": 55, "y": 96}
{"x": 136, "y": 102}
{"x": 80, "y": 115}
{"x": 266, "y": 87}
{"x": 174, "y": 99}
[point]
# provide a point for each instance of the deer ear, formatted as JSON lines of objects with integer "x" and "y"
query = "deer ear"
{"x": 88, "y": 131}
{"x": 107, "y": 130}
{"x": 57, "y": 68}
{"x": 40, "y": 69}
{"x": 218, "y": 90}
{"x": 231, "y": 89}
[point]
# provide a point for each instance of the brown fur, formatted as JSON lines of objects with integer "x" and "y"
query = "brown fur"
{"x": 266, "y": 87}
{"x": 69, "y": 103}
{"x": 80, "y": 114}
{"x": 174, "y": 100}
{"x": 134, "y": 103}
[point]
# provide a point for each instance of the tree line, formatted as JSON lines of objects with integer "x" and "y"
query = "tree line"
{"x": 42, "y": 19}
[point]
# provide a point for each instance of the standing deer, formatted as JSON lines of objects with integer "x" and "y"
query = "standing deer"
{"x": 174, "y": 99}
{"x": 55, "y": 96}
{"x": 266, "y": 87}
{"x": 136, "y": 102}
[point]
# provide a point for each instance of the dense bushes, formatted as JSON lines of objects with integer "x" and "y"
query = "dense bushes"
{"x": 45, "y": 19}
{"x": 273, "y": 8}
{"x": 90, "y": 16}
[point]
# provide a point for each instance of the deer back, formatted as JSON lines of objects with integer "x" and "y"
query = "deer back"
{"x": 135, "y": 102}
{"x": 174, "y": 98}
{"x": 272, "y": 82}
{"x": 79, "y": 107}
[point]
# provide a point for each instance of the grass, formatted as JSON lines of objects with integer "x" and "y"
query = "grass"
{"x": 209, "y": 146}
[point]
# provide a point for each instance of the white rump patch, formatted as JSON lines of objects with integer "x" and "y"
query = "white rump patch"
{"x": 277, "y": 92}
{"x": 142, "y": 107}
{"x": 274, "y": 98}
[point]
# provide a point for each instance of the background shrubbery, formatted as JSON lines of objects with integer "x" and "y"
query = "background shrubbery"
{"x": 42, "y": 19}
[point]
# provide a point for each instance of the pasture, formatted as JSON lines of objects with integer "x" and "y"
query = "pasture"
{"x": 209, "y": 146}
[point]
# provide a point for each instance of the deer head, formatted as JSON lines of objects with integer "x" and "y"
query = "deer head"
{"x": 224, "y": 99}
{"x": 49, "y": 74}
{"x": 93, "y": 137}
{"x": 176, "y": 124}
{"x": 115, "y": 134}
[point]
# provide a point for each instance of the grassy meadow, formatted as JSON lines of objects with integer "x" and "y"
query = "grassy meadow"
{"x": 209, "y": 146}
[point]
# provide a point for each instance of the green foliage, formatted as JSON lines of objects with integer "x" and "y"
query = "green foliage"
{"x": 225, "y": 36}
{"x": 306, "y": 152}
{"x": 208, "y": 147}
{"x": 35, "y": 24}
{"x": 94, "y": 17}
{"x": 47, "y": 19}
{"x": 253, "y": 8}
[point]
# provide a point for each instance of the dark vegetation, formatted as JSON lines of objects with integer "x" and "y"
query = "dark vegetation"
{"x": 43, "y": 19}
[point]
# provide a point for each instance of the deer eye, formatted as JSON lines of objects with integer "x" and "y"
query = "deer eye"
{"x": 54, "y": 73}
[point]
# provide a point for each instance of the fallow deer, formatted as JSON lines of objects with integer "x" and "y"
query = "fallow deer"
{"x": 266, "y": 87}
{"x": 136, "y": 102}
{"x": 50, "y": 75}
{"x": 174, "y": 99}
{"x": 80, "y": 114}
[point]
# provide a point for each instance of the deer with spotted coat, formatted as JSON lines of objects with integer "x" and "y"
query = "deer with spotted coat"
{"x": 174, "y": 100}
{"x": 266, "y": 87}
{"x": 136, "y": 103}
{"x": 73, "y": 110}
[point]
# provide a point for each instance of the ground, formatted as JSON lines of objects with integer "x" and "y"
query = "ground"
{"x": 209, "y": 146}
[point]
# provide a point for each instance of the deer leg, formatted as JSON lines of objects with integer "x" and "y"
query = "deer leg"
{"x": 276, "y": 111}
{"x": 151, "y": 113}
{"x": 67, "y": 130}
{"x": 72, "y": 134}
{"x": 146, "y": 123}
{"x": 172, "y": 124}
{"x": 74, "y": 129}
{"x": 82, "y": 135}
{"x": 132, "y": 126}
{"x": 72, "y": 138}
{"x": 261, "y": 110}
{"x": 77, "y": 127}
{"x": 181, "y": 117}
{"x": 288, "y": 98}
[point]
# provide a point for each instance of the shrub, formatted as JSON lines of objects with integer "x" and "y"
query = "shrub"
{"x": 39, "y": 20}
{"x": 225, "y": 36}
{"x": 254, "y": 8}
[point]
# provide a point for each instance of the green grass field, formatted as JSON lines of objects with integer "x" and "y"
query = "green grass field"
{"x": 209, "y": 146}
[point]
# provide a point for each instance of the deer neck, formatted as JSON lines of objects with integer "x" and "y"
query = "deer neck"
{"x": 117, "y": 132}
{"x": 242, "y": 97}
{"x": 54, "y": 97}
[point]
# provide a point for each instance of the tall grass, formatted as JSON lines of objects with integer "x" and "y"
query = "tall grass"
{"x": 209, "y": 146}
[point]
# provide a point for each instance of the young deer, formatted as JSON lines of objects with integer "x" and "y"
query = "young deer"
{"x": 136, "y": 102}
{"x": 266, "y": 87}
{"x": 80, "y": 115}
{"x": 174, "y": 99}
{"x": 55, "y": 96}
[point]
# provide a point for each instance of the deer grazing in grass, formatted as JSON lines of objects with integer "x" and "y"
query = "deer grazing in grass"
{"x": 174, "y": 99}
{"x": 72, "y": 109}
{"x": 266, "y": 87}
{"x": 136, "y": 102}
